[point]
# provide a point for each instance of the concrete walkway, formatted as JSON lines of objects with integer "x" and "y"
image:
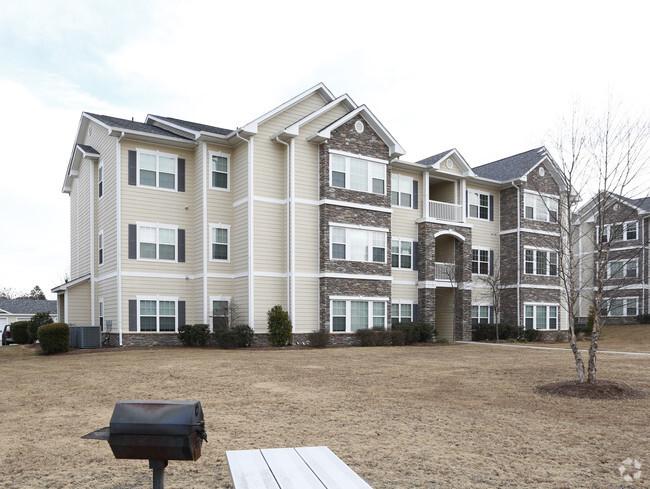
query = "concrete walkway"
{"x": 514, "y": 345}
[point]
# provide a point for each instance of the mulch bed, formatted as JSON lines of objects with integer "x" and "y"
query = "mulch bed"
{"x": 601, "y": 389}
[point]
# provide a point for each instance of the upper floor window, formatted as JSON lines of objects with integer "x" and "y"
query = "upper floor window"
{"x": 479, "y": 204}
{"x": 100, "y": 248}
{"x": 156, "y": 169}
{"x": 100, "y": 181}
{"x": 540, "y": 208}
{"x": 220, "y": 171}
{"x": 402, "y": 253}
{"x": 623, "y": 306}
{"x": 541, "y": 316}
{"x": 482, "y": 314}
{"x": 357, "y": 244}
{"x": 481, "y": 261}
{"x": 621, "y": 269}
{"x": 626, "y": 231}
{"x": 401, "y": 312}
{"x": 156, "y": 242}
{"x": 219, "y": 242}
{"x": 357, "y": 174}
{"x": 540, "y": 262}
{"x": 101, "y": 314}
{"x": 401, "y": 188}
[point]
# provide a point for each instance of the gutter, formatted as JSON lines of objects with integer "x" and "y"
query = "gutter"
{"x": 518, "y": 251}
{"x": 118, "y": 190}
{"x": 251, "y": 228}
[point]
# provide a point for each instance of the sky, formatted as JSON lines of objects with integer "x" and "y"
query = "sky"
{"x": 491, "y": 79}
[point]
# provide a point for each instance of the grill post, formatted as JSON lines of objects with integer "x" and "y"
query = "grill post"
{"x": 158, "y": 467}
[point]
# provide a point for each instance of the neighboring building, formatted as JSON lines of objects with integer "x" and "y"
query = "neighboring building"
{"x": 625, "y": 243}
{"x": 308, "y": 206}
{"x": 12, "y": 310}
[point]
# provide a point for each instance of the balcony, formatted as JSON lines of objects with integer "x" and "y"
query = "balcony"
{"x": 444, "y": 211}
{"x": 445, "y": 272}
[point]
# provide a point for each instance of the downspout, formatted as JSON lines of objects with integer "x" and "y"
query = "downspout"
{"x": 290, "y": 229}
{"x": 92, "y": 243}
{"x": 643, "y": 273}
{"x": 204, "y": 211}
{"x": 119, "y": 235}
{"x": 251, "y": 248}
{"x": 518, "y": 252}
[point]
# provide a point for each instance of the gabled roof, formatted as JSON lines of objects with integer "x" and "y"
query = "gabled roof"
{"x": 26, "y": 306}
{"x": 127, "y": 125}
{"x": 512, "y": 167}
{"x": 192, "y": 127}
{"x": 435, "y": 161}
{"x": 640, "y": 205}
{"x": 435, "y": 158}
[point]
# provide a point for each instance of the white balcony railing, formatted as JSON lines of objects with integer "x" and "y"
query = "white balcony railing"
{"x": 445, "y": 211}
{"x": 445, "y": 271}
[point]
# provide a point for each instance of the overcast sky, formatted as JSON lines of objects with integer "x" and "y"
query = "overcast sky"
{"x": 491, "y": 79}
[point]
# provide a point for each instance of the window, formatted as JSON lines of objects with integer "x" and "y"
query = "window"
{"x": 219, "y": 242}
{"x": 622, "y": 269}
{"x": 220, "y": 313}
{"x": 220, "y": 169}
{"x": 479, "y": 205}
{"x": 481, "y": 314}
{"x": 358, "y": 245}
{"x": 620, "y": 232}
{"x": 156, "y": 169}
{"x": 100, "y": 247}
{"x": 541, "y": 316}
{"x": 540, "y": 208}
{"x": 100, "y": 181}
{"x": 401, "y": 313}
{"x": 401, "y": 251}
{"x": 480, "y": 261}
{"x": 401, "y": 188}
{"x": 540, "y": 262}
{"x": 156, "y": 242}
{"x": 157, "y": 315}
{"x": 101, "y": 314}
{"x": 624, "y": 306}
{"x": 357, "y": 174}
{"x": 352, "y": 315}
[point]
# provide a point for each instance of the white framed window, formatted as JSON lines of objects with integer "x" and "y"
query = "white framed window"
{"x": 479, "y": 204}
{"x": 157, "y": 169}
{"x": 157, "y": 314}
{"x": 401, "y": 252}
{"x": 481, "y": 261}
{"x": 100, "y": 180}
{"x": 540, "y": 207}
{"x": 220, "y": 242}
{"x": 541, "y": 316}
{"x": 627, "y": 231}
{"x": 540, "y": 262}
{"x": 620, "y": 306}
{"x": 354, "y": 244}
{"x": 157, "y": 242}
{"x": 350, "y": 315}
{"x": 100, "y": 247}
{"x": 401, "y": 312}
{"x": 622, "y": 269}
{"x": 481, "y": 313}
{"x": 401, "y": 190}
{"x": 220, "y": 312}
{"x": 219, "y": 171}
{"x": 101, "y": 314}
{"x": 357, "y": 174}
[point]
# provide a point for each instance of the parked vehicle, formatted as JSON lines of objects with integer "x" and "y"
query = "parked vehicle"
{"x": 6, "y": 335}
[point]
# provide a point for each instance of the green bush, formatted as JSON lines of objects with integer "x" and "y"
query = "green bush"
{"x": 488, "y": 331}
{"x": 319, "y": 338}
{"x": 374, "y": 337}
{"x": 279, "y": 325}
{"x": 416, "y": 332}
{"x": 239, "y": 336}
{"x": 194, "y": 334}
{"x": 38, "y": 320}
{"x": 397, "y": 337}
{"x": 54, "y": 338}
{"x": 20, "y": 332}
{"x": 643, "y": 318}
{"x": 531, "y": 335}
{"x": 443, "y": 341}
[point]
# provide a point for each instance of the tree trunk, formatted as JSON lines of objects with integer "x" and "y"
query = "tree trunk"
{"x": 593, "y": 349}
{"x": 580, "y": 365}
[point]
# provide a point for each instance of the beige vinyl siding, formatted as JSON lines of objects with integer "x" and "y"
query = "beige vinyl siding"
{"x": 270, "y": 237}
{"x": 485, "y": 233}
{"x": 74, "y": 229}
{"x": 307, "y": 239}
{"x": 403, "y": 219}
{"x": 269, "y": 291}
{"x": 79, "y": 305}
{"x": 239, "y": 171}
{"x": 402, "y": 275}
{"x": 239, "y": 241}
{"x": 482, "y": 295}
{"x": 195, "y": 189}
{"x": 307, "y": 305}
{"x": 407, "y": 293}
{"x": 444, "y": 192}
{"x": 445, "y": 313}
{"x": 107, "y": 290}
{"x": 221, "y": 212}
{"x": 454, "y": 170}
{"x": 240, "y": 289}
{"x": 80, "y": 222}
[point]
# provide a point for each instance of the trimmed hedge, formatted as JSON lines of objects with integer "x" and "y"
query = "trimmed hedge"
{"x": 194, "y": 334}
{"x": 416, "y": 332}
{"x": 319, "y": 338}
{"x": 643, "y": 318}
{"x": 54, "y": 338}
{"x": 279, "y": 325}
{"x": 488, "y": 331}
{"x": 20, "y": 332}
{"x": 239, "y": 336}
{"x": 38, "y": 320}
{"x": 380, "y": 337}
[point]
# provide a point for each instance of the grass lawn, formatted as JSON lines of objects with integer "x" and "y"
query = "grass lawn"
{"x": 446, "y": 416}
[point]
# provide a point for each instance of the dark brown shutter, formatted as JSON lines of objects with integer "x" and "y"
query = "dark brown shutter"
{"x": 491, "y": 207}
{"x": 133, "y": 315}
{"x": 415, "y": 255}
{"x": 133, "y": 241}
{"x": 181, "y": 174}
{"x": 415, "y": 194}
{"x": 132, "y": 167}
{"x": 181, "y": 313}
{"x": 181, "y": 245}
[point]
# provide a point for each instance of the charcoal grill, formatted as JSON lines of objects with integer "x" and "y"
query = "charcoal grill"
{"x": 155, "y": 430}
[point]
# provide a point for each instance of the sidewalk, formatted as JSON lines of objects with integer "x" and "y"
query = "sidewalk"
{"x": 515, "y": 345}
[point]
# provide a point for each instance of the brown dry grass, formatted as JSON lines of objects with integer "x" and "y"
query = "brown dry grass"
{"x": 631, "y": 337}
{"x": 456, "y": 416}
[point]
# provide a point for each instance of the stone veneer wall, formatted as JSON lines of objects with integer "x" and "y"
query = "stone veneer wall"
{"x": 352, "y": 288}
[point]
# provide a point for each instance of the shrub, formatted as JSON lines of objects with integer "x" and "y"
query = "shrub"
{"x": 488, "y": 331}
{"x": 643, "y": 318}
{"x": 194, "y": 334}
{"x": 279, "y": 326}
{"x": 374, "y": 337}
{"x": 443, "y": 341}
{"x": 239, "y": 336}
{"x": 397, "y": 337}
{"x": 38, "y": 320}
{"x": 20, "y": 332}
{"x": 416, "y": 332}
{"x": 319, "y": 338}
{"x": 54, "y": 338}
{"x": 530, "y": 335}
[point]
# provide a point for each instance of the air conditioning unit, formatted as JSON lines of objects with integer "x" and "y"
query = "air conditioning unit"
{"x": 85, "y": 337}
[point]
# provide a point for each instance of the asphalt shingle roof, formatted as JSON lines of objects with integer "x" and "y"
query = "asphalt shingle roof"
{"x": 433, "y": 159}
{"x": 133, "y": 126}
{"x": 511, "y": 167}
{"x": 88, "y": 149}
{"x": 27, "y": 306}
{"x": 195, "y": 126}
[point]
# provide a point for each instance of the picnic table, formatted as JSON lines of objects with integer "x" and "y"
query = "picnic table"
{"x": 291, "y": 468}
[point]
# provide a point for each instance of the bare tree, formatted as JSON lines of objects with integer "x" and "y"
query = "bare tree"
{"x": 496, "y": 287}
{"x": 225, "y": 316}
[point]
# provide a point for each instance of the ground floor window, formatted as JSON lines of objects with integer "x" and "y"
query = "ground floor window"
{"x": 349, "y": 315}
{"x": 101, "y": 315}
{"x": 401, "y": 313}
{"x": 620, "y": 306}
{"x": 481, "y": 314}
{"x": 220, "y": 313}
{"x": 157, "y": 315}
{"x": 541, "y": 316}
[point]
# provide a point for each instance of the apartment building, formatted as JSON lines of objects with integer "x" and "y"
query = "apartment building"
{"x": 311, "y": 206}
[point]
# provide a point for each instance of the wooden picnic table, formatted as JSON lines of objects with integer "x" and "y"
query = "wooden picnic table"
{"x": 291, "y": 468}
